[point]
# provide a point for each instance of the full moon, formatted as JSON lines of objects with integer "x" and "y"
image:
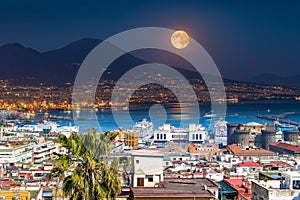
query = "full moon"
{"x": 180, "y": 39}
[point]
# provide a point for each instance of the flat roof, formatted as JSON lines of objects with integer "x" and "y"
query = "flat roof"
{"x": 146, "y": 153}
{"x": 291, "y": 173}
{"x": 178, "y": 188}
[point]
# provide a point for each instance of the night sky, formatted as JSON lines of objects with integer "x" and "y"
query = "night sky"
{"x": 244, "y": 39}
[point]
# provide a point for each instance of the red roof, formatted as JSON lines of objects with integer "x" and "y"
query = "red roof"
{"x": 248, "y": 164}
{"x": 280, "y": 164}
{"x": 237, "y": 184}
{"x": 246, "y": 196}
{"x": 287, "y": 146}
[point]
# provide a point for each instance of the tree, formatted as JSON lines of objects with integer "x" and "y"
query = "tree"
{"x": 93, "y": 175}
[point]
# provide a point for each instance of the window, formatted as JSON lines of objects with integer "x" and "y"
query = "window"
{"x": 157, "y": 136}
{"x": 165, "y": 136}
{"x": 150, "y": 178}
{"x": 167, "y": 163}
{"x": 200, "y": 135}
{"x": 196, "y": 136}
{"x": 193, "y": 136}
{"x": 137, "y": 161}
{"x": 296, "y": 184}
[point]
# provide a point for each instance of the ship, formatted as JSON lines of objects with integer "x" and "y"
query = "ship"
{"x": 144, "y": 128}
{"x": 209, "y": 115}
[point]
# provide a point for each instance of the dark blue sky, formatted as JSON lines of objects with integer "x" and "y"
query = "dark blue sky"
{"x": 244, "y": 39}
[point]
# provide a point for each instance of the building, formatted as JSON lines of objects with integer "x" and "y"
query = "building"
{"x": 268, "y": 137}
{"x": 285, "y": 148}
{"x": 203, "y": 150}
{"x": 272, "y": 190}
{"x": 128, "y": 138}
{"x": 292, "y": 136}
{"x": 147, "y": 168}
{"x": 227, "y": 192}
{"x": 269, "y": 176}
{"x": 251, "y": 134}
{"x": 248, "y": 169}
{"x": 15, "y": 194}
{"x": 143, "y": 128}
{"x": 220, "y": 132}
{"x": 44, "y": 151}
{"x": 277, "y": 165}
{"x": 185, "y": 189}
{"x": 11, "y": 153}
{"x": 248, "y": 154}
{"x": 290, "y": 180}
{"x": 196, "y": 133}
{"x": 242, "y": 186}
{"x": 167, "y": 133}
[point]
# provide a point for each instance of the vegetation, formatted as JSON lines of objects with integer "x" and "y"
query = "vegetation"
{"x": 92, "y": 175}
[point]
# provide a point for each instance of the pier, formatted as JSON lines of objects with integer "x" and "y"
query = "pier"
{"x": 279, "y": 118}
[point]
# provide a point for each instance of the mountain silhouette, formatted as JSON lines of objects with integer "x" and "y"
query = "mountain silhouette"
{"x": 26, "y": 65}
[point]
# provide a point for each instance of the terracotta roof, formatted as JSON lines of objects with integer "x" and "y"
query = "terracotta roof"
{"x": 291, "y": 147}
{"x": 237, "y": 184}
{"x": 193, "y": 149}
{"x": 236, "y": 150}
{"x": 248, "y": 164}
{"x": 280, "y": 163}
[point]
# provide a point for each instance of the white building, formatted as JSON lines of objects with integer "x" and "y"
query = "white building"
{"x": 144, "y": 128}
{"x": 196, "y": 133}
{"x": 147, "y": 168}
{"x": 220, "y": 132}
{"x": 13, "y": 154}
{"x": 44, "y": 151}
{"x": 270, "y": 190}
{"x": 290, "y": 180}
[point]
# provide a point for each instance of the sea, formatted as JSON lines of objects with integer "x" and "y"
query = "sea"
{"x": 242, "y": 112}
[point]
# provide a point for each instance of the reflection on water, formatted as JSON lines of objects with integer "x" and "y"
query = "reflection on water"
{"x": 179, "y": 116}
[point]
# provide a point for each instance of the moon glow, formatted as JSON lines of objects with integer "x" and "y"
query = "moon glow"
{"x": 180, "y": 39}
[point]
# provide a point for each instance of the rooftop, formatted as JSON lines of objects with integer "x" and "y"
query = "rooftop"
{"x": 248, "y": 164}
{"x": 205, "y": 149}
{"x": 168, "y": 149}
{"x": 241, "y": 186}
{"x": 175, "y": 187}
{"x": 279, "y": 163}
{"x": 237, "y": 150}
{"x": 287, "y": 146}
{"x": 144, "y": 152}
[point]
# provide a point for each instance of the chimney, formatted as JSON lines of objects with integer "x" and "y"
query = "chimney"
{"x": 204, "y": 172}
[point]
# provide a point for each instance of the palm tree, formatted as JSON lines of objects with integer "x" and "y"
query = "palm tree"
{"x": 93, "y": 175}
